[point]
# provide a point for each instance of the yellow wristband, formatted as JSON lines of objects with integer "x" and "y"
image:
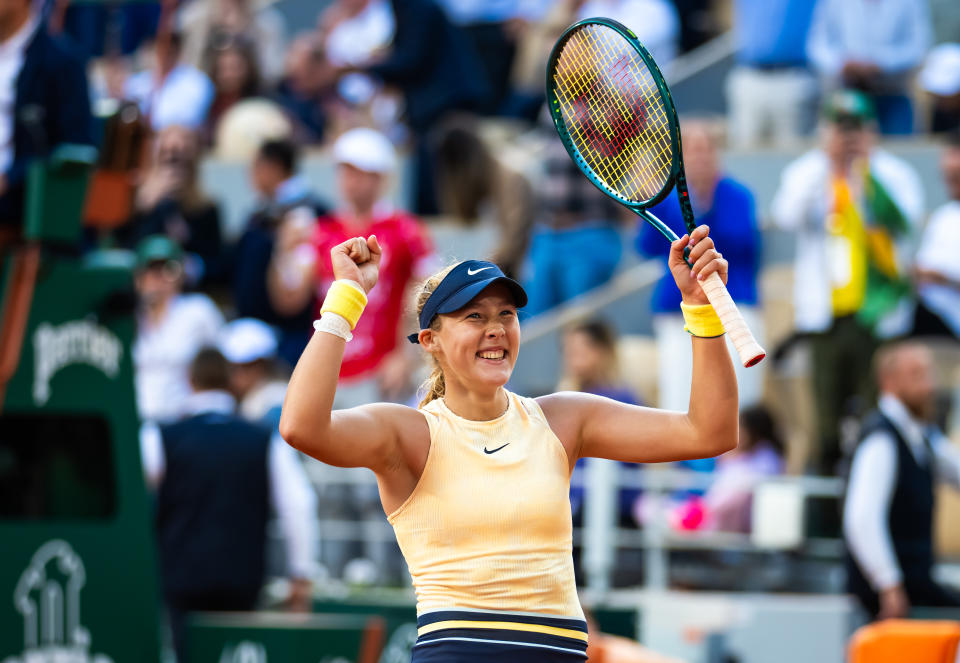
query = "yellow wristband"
{"x": 701, "y": 321}
{"x": 346, "y": 299}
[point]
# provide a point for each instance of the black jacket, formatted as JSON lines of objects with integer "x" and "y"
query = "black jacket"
{"x": 52, "y": 107}
{"x": 433, "y": 63}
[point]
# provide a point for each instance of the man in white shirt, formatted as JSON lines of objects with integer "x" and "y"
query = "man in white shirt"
{"x": 888, "y": 512}
{"x": 172, "y": 93}
{"x": 937, "y": 268}
{"x": 873, "y": 46}
{"x": 854, "y": 208}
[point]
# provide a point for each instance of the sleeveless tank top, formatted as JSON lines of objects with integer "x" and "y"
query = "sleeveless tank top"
{"x": 488, "y": 525}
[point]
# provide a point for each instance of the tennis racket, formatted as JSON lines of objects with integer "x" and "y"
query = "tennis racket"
{"x": 616, "y": 118}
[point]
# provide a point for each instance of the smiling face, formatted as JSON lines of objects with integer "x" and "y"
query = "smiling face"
{"x": 477, "y": 345}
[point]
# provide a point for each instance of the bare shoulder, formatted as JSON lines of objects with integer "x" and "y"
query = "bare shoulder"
{"x": 564, "y": 411}
{"x": 562, "y": 406}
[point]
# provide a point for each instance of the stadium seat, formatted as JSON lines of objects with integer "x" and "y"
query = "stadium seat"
{"x": 898, "y": 641}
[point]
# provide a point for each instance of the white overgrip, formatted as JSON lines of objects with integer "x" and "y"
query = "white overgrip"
{"x": 733, "y": 323}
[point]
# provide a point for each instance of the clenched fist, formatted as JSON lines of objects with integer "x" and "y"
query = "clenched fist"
{"x": 357, "y": 259}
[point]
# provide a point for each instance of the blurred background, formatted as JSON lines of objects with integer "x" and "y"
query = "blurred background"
{"x": 174, "y": 174}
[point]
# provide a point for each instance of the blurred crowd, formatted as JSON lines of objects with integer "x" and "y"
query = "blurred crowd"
{"x": 448, "y": 95}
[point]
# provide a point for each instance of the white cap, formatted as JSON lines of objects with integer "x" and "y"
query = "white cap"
{"x": 246, "y": 340}
{"x": 365, "y": 149}
{"x": 941, "y": 71}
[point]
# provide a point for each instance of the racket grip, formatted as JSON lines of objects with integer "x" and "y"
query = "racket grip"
{"x": 733, "y": 323}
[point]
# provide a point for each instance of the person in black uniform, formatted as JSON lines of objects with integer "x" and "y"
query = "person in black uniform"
{"x": 217, "y": 476}
{"x": 888, "y": 511}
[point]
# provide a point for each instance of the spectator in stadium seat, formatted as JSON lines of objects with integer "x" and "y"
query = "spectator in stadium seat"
{"x": 306, "y": 83}
{"x": 889, "y": 506}
{"x": 534, "y": 45}
{"x": 437, "y": 72}
{"x": 872, "y": 46}
{"x": 726, "y": 206}
{"x": 576, "y": 243}
{"x": 493, "y": 27}
{"x": 250, "y": 345}
{"x": 854, "y": 208}
{"x": 770, "y": 93}
{"x": 171, "y": 92}
{"x": 936, "y": 269}
{"x": 207, "y": 25}
{"x": 376, "y": 365}
{"x": 170, "y": 202}
{"x": 233, "y": 69}
{"x": 353, "y": 33}
{"x": 171, "y": 328}
{"x": 655, "y": 22}
{"x": 44, "y": 101}
{"x": 283, "y": 195}
{"x": 476, "y": 185}
{"x": 760, "y": 454}
{"x": 591, "y": 365}
{"x": 217, "y": 477}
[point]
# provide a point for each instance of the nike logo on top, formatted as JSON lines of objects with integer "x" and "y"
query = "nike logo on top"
{"x": 471, "y": 272}
{"x": 493, "y": 451}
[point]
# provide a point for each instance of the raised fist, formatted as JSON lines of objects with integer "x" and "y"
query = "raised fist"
{"x": 357, "y": 259}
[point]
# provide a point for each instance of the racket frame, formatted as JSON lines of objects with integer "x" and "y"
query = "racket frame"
{"x": 676, "y": 176}
{"x": 749, "y": 350}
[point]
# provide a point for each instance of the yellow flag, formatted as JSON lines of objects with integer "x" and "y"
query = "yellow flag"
{"x": 846, "y": 251}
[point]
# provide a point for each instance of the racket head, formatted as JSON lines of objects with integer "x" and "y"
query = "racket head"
{"x": 614, "y": 114}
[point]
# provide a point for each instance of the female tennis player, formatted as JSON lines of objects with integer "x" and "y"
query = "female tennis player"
{"x": 475, "y": 482}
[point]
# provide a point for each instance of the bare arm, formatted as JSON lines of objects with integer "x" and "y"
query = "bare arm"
{"x": 368, "y": 436}
{"x": 599, "y": 427}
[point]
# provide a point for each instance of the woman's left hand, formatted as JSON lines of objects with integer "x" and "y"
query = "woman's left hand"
{"x": 705, "y": 260}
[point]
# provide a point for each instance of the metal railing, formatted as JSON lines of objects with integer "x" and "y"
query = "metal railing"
{"x": 600, "y": 537}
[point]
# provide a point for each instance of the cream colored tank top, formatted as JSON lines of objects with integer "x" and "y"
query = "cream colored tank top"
{"x": 488, "y": 525}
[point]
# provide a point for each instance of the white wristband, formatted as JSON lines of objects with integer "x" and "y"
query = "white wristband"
{"x": 331, "y": 323}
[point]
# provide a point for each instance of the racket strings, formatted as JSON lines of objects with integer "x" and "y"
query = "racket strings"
{"x": 634, "y": 167}
{"x": 614, "y": 113}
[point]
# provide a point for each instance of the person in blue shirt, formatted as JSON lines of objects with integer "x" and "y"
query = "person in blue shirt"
{"x": 727, "y": 206}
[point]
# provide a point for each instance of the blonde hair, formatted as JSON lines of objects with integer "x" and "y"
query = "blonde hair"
{"x": 434, "y": 386}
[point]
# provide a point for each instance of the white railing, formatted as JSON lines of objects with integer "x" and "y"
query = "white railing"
{"x": 601, "y": 538}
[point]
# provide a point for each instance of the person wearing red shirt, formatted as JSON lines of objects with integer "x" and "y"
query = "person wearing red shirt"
{"x": 376, "y": 365}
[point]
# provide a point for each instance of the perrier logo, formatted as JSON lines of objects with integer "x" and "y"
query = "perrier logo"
{"x": 48, "y": 598}
{"x": 77, "y": 341}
